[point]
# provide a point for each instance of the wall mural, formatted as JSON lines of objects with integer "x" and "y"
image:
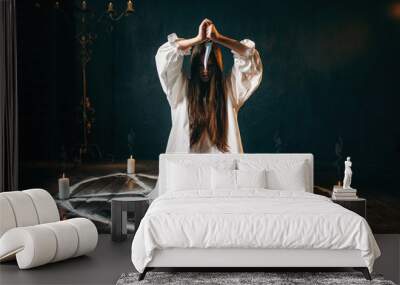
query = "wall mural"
{"x": 329, "y": 87}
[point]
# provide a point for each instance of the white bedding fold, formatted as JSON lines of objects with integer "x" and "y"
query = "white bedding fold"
{"x": 250, "y": 219}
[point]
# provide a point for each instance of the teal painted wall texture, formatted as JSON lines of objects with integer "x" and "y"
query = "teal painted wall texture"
{"x": 330, "y": 84}
{"x": 326, "y": 70}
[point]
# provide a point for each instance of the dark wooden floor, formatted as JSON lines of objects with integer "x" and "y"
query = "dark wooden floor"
{"x": 110, "y": 259}
{"x": 103, "y": 266}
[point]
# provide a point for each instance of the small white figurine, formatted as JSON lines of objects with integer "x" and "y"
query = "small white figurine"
{"x": 348, "y": 173}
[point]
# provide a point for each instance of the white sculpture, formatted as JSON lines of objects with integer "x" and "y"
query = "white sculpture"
{"x": 348, "y": 173}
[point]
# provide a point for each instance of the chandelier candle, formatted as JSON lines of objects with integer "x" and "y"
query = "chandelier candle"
{"x": 131, "y": 165}
{"x": 63, "y": 187}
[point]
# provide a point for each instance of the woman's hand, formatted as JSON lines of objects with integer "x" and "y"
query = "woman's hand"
{"x": 185, "y": 44}
{"x": 202, "y": 35}
{"x": 212, "y": 33}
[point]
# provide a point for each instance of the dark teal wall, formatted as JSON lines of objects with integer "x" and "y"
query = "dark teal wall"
{"x": 330, "y": 72}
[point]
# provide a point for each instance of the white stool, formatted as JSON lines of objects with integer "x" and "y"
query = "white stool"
{"x": 31, "y": 230}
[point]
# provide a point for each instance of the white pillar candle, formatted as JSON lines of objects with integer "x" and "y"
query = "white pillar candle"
{"x": 131, "y": 165}
{"x": 63, "y": 187}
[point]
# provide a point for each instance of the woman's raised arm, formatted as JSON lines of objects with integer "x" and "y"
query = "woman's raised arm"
{"x": 247, "y": 70}
{"x": 169, "y": 60}
{"x": 214, "y": 35}
{"x": 185, "y": 44}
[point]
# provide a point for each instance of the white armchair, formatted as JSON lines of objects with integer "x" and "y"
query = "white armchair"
{"x": 31, "y": 230}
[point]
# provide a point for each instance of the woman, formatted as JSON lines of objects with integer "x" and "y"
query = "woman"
{"x": 204, "y": 107}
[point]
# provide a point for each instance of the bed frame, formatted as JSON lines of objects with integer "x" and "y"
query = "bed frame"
{"x": 245, "y": 258}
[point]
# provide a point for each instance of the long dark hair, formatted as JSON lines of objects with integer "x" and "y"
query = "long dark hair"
{"x": 207, "y": 101}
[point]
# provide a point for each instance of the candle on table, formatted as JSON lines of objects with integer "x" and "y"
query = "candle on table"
{"x": 63, "y": 187}
{"x": 131, "y": 165}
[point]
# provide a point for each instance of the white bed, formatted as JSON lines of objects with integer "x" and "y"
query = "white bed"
{"x": 282, "y": 224}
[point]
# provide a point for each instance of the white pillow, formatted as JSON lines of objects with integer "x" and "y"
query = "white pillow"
{"x": 203, "y": 160}
{"x": 251, "y": 178}
{"x": 223, "y": 179}
{"x": 188, "y": 177}
{"x": 193, "y": 173}
{"x": 281, "y": 175}
{"x": 292, "y": 178}
{"x": 227, "y": 179}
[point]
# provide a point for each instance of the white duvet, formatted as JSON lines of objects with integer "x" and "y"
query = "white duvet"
{"x": 250, "y": 219}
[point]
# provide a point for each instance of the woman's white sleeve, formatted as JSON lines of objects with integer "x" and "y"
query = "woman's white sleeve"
{"x": 169, "y": 60}
{"x": 246, "y": 73}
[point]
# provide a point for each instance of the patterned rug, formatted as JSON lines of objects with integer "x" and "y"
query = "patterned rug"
{"x": 91, "y": 197}
{"x": 243, "y": 278}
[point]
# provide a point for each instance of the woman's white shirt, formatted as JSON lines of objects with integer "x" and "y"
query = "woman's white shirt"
{"x": 241, "y": 82}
